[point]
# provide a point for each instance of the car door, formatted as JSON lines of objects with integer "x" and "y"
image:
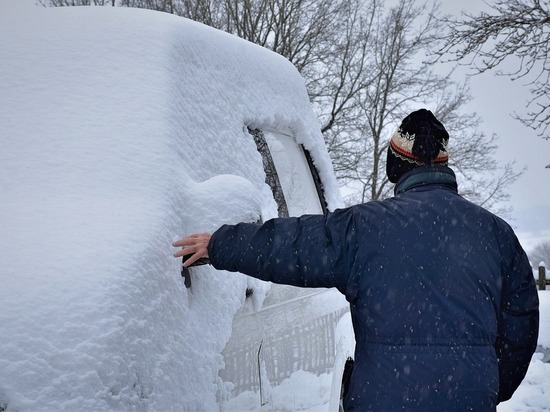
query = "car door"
{"x": 287, "y": 341}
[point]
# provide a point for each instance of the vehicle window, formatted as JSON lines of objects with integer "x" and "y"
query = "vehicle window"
{"x": 296, "y": 188}
{"x": 271, "y": 176}
{"x": 290, "y": 173}
{"x": 316, "y": 180}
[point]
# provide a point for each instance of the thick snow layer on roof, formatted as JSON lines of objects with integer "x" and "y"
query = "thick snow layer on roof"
{"x": 115, "y": 134}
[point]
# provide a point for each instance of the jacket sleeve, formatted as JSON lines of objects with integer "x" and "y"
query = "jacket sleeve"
{"x": 519, "y": 321}
{"x": 306, "y": 251}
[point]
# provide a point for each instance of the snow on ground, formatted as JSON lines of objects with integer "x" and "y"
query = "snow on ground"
{"x": 310, "y": 398}
{"x": 534, "y": 392}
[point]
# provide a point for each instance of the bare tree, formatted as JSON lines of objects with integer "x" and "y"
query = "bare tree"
{"x": 472, "y": 152}
{"x": 64, "y": 3}
{"x": 336, "y": 83}
{"x": 395, "y": 79}
{"x": 399, "y": 82}
{"x": 517, "y": 31}
{"x": 541, "y": 253}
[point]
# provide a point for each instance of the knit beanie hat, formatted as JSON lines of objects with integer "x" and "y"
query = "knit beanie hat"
{"x": 420, "y": 140}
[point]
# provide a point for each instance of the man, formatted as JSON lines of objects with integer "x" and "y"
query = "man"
{"x": 442, "y": 296}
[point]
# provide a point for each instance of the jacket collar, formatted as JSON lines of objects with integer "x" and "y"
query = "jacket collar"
{"x": 422, "y": 176}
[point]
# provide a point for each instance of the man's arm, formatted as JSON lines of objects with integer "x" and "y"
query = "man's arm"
{"x": 308, "y": 251}
{"x": 518, "y": 325}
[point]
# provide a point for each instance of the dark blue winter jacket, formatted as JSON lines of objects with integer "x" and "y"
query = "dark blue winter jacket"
{"x": 442, "y": 296}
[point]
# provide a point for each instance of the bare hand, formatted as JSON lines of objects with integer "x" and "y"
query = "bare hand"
{"x": 195, "y": 245}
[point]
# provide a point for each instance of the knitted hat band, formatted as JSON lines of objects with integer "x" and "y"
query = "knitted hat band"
{"x": 401, "y": 145}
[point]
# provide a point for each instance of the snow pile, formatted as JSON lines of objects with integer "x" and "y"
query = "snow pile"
{"x": 116, "y": 140}
{"x": 534, "y": 392}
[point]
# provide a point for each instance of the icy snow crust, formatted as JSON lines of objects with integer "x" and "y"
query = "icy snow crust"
{"x": 116, "y": 135}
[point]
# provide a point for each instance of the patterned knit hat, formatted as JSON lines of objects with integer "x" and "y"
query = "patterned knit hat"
{"x": 420, "y": 140}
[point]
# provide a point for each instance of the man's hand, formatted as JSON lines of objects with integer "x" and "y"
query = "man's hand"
{"x": 195, "y": 245}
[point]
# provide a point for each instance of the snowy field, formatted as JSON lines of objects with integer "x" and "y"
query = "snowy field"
{"x": 96, "y": 184}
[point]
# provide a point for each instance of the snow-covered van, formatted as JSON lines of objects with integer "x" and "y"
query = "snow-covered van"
{"x": 122, "y": 130}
